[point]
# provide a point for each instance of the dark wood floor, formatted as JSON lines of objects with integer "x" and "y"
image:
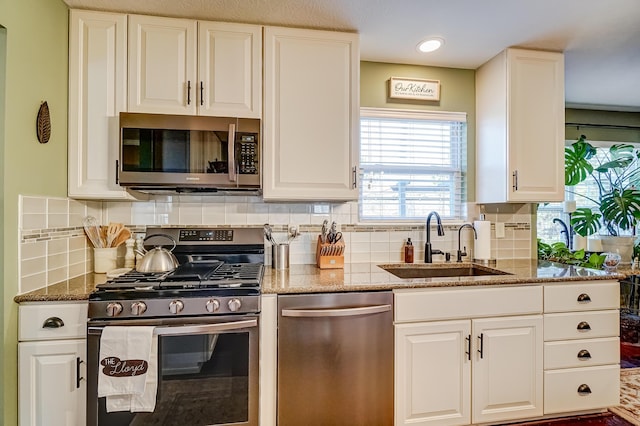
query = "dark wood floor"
{"x": 608, "y": 419}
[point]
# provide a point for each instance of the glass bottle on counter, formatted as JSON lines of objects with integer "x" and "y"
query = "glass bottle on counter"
{"x": 408, "y": 251}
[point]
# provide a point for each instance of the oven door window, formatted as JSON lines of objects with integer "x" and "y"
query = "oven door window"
{"x": 203, "y": 379}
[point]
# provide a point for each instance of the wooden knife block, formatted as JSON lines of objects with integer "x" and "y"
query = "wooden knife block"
{"x": 329, "y": 256}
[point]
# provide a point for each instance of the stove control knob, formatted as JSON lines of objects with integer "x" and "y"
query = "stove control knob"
{"x": 234, "y": 304}
{"x": 213, "y": 305}
{"x": 138, "y": 308}
{"x": 176, "y": 306}
{"x": 114, "y": 309}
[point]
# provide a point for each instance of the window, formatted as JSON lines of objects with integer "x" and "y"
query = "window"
{"x": 412, "y": 162}
{"x": 547, "y": 230}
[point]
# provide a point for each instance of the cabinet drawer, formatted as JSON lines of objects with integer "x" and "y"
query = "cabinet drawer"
{"x": 588, "y": 296}
{"x": 437, "y": 304}
{"x": 581, "y": 325}
{"x": 581, "y": 353}
{"x": 52, "y": 321}
{"x": 581, "y": 388}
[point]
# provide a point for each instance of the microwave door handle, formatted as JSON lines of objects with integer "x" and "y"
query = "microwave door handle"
{"x": 231, "y": 150}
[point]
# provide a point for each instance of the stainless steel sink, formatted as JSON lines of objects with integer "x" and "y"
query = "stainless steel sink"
{"x": 437, "y": 270}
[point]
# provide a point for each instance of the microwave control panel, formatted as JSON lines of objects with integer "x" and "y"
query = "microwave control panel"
{"x": 248, "y": 158}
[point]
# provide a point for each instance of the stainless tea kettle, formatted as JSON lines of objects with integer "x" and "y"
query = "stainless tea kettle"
{"x": 158, "y": 259}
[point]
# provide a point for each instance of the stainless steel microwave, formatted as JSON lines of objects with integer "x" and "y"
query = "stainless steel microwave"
{"x": 182, "y": 153}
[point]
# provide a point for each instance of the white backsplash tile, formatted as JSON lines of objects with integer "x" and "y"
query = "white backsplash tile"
{"x": 43, "y": 262}
{"x": 119, "y": 212}
{"x": 32, "y": 249}
{"x": 32, "y": 282}
{"x": 34, "y": 221}
{"x": 58, "y": 206}
{"x": 190, "y": 214}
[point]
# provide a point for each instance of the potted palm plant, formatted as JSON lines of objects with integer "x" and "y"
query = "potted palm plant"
{"x": 616, "y": 211}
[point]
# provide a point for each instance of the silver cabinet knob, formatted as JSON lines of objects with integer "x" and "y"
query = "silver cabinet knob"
{"x": 176, "y": 306}
{"x": 234, "y": 304}
{"x": 114, "y": 309}
{"x": 138, "y": 308}
{"x": 212, "y": 305}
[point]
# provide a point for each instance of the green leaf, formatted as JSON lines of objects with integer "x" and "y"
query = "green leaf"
{"x": 621, "y": 208}
{"x": 576, "y": 162}
{"x": 585, "y": 222}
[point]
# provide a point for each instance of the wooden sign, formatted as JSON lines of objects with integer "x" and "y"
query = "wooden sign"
{"x": 413, "y": 88}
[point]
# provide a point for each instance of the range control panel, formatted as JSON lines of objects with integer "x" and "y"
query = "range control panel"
{"x": 206, "y": 235}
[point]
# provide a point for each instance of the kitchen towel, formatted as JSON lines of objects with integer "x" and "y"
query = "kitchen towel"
{"x": 482, "y": 244}
{"x": 128, "y": 372}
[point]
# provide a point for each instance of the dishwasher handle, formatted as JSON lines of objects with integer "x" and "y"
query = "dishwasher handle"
{"x": 342, "y": 312}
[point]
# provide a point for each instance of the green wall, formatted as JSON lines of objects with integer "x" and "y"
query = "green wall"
{"x": 609, "y": 125}
{"x": 457, "y": 94}
{"x": 36, "y": 70}
{"x": 3, "y": 55}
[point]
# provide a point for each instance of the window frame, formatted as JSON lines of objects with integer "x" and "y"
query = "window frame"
{"x": 461, "y": 182}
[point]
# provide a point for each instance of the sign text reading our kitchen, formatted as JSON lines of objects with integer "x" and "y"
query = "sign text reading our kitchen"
{"x": 412, "y": 88}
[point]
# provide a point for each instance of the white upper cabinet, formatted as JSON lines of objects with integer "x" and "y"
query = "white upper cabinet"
{"x": 520, "y": 127}
{"x": 181, "y": 66}
{"x": 162, "y": 65}
{"x": 97, "y": 94}
{"x": 311, "y": 115}
{"x": 230, "y": 69}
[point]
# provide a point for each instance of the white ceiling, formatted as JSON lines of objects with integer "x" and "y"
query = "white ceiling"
{"x": 600, "y": 38}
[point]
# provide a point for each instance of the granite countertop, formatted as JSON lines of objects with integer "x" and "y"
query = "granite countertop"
{"x": 356, "y": 277}
{"x": 77, "y": 288}
{"x": 369, "y": 276}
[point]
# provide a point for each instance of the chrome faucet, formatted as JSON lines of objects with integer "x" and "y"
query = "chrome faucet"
{"x": 475, "y": 236}
{"x": 428, "y": 252}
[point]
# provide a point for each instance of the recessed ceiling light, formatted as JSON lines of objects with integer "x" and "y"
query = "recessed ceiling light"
{"x": 430, "y": 44}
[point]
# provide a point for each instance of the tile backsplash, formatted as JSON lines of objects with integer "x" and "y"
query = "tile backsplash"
{"x": 53, "y": 246}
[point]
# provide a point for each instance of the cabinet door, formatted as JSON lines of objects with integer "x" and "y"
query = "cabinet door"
{"x": 311, "y": 115}
{"x": 520, "y": 127}
{"x": 162, "y": 65}
{"x": 97, "y": 94}
{"x": 508, "y": 368}
{"x": 432, "y": 373}
{"x": 50, "y": 392}
{"x": 536, "y": 125}
{"x": 229, "y": 69}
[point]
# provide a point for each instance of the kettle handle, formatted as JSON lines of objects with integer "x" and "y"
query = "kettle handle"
{"x": 173, "y": 240}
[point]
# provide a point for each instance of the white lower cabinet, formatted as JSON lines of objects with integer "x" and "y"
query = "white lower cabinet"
{"x": 51, "y": 364}
{"x": 581, "y": 346}
{"x": 464, "y": 370}
{"x": 51, "y": 390}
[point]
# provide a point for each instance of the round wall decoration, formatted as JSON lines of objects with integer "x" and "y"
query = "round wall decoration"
{"x": 43, "y": 123}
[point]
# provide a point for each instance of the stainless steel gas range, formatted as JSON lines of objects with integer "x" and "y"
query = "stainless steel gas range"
{"x": 206, "y": 317}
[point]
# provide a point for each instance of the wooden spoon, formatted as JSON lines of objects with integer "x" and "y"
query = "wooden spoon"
{"x": 112, "y": 232}
{"x": 122, "y": 236}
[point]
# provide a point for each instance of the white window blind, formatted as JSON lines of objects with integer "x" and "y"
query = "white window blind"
{"x": 412, "y": 162}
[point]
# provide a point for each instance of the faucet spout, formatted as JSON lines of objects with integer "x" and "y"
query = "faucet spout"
{"x": 565, "y": 230}
{"x": 461, "y": 253}
{"x": 428, "y": 251}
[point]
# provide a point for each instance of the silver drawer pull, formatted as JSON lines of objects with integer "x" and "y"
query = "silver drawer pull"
{"x": 53, "y": 322}
{"x": 584, "y": 298}
{"x": 584, "y": 354}
{"x": 584, "y": 389}
{"x": 583, "y": 326}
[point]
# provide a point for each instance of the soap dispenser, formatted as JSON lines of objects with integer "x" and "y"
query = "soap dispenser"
{"x": 408, "y": 251}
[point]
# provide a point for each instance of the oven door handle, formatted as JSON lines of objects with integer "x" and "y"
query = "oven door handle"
{"x": 184, "y": 330}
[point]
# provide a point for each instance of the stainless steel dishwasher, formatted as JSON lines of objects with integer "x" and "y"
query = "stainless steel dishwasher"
{"x": 335, "y": 359}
